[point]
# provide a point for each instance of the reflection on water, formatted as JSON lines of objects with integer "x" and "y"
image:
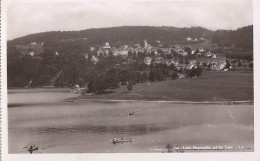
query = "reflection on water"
{"x": 102, "y": 130}
{"x": 44, "y": 118}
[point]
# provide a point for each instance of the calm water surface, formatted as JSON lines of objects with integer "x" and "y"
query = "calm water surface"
{"x": 43, "y": 117}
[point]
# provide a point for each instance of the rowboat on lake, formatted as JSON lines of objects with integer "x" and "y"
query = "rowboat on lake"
{"x": 122, "y": 140}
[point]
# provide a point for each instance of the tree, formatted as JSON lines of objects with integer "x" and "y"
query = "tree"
{"x": 124, "y": 76}
{"x": 172, "y": 67}
{"x": 227, "y": 64}
{"x": 195, "y": 72}
{"x": 169, "y": 56}
{"x": 175, "y": 75}
{"x": 169, "y": 148}
{"x": 188, "y": 50}
{"x": 239, "y": 63}
{"x": 130, "y": 86}
{"x": 145, "y": 76}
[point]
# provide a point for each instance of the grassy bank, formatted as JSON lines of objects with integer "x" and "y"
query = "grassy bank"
{"x": 211, "y": 86}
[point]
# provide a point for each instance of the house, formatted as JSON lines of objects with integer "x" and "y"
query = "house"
{"x": 158, "y": 58}
{"x": 123, "y": 52}
{"x": 145, "y": 44}
{"x": 94, "y": 59}
{"x": 209, "y": 60}
{"x": 190, "y": 66}
{"x": 188, "y": 38}
{"x": 181, "y": 75}
{"x": 218, "y": 55}
{"x": 99, "y": 52}
{"x": 208, "y": 54}
{"x": 106, "y": 46}
{"x": 137, "y": 45}
{"x": 169, "y": 62}
{"x": 182, "y": 66}
{"x": 176, "y": 62}
{"x": 33, "y": 43}
{"x": 193, "y": 62}
{"x": 92, "y": 48}
{"x": 148, "y": 60}
{"x": 199, "y": 54}
{"x": 222, "y": 64}
{"x": 214, "y": 66}
{"x": 86, "y": 56}
{"x": 26, "y": 49}
{"x": 31, "y": 53}
{"x": 201, "y": 50}
{"x": 218, "y": 65}
{"x": 234, "y": 62}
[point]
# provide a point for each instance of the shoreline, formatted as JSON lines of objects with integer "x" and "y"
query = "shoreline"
{"x": 78, "y": 99}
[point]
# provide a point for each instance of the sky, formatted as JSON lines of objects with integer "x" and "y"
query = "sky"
{"x": 27, "y": 17}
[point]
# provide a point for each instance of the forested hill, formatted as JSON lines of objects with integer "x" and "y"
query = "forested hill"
{"x": 241, "y": 38}
{"x": 113, "y": 35}
{"x": 65, "y": 59}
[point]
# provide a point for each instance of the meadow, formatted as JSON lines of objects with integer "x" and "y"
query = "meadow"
{"x": 210, "y": 86}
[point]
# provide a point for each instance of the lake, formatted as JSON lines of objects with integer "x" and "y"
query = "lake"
{"x": 44, "y": 117}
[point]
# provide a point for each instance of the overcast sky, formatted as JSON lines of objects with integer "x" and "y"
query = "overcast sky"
{"x": 28, "y": 18}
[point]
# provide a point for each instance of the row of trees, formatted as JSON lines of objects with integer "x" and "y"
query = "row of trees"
{"x": 114, "y": 78}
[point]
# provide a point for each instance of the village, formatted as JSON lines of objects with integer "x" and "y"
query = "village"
{"x": 179, "y": 56}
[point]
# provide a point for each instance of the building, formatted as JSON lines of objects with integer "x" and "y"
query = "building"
{"x": 145, "y": 44}
{"x": 94, "y": 59}
{"x": 148, "y": 60}
{"x": 189, "y": 39}
{"x": 169, "y": 62}
{"x": 28, "y": 49}
{"x": 193, "y": 62}
{"x": 106, "y": 46}
{"x": 31, "y": 53}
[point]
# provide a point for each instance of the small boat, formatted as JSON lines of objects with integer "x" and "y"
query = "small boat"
{"x": 131, "y": 113}
{"x": 122, "y": 140}
{"x": 32, "y": 148}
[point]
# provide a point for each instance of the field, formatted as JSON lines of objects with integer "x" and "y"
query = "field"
{"x": 211, "y": 86}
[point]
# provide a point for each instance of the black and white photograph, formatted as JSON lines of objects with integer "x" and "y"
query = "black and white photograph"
{"x": 123, "y": 77}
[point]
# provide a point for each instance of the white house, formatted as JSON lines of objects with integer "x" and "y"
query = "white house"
{"x": 31, "y": 53}
{"x": 147, "y": 60}
{"x": 94, "y": 59}
{"x": 189, "y": 39}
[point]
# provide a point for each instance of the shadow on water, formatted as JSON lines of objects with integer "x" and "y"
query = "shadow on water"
{"x": 10, "y": 105}
{"x": 13, "y": 105}
{"x": 102, "y": 130}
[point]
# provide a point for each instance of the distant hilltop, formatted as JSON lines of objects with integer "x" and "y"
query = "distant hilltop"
{"x": 68, "y": 58}
{"x": 115, "y": 35}
{"x": 118, "y": 36}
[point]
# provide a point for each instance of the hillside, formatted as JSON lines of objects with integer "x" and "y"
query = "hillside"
{"x": 240, "y": 38}
{"x": 65, "y": 59}
{"x": 115, "y": 35}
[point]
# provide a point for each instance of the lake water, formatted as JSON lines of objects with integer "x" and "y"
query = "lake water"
{"x": 43, "y": 117}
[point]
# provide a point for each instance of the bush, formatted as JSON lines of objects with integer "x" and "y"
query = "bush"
{"x": 195, "y": 72}
{"x": 175, "y": 75}
{"x": 130, "y": 86}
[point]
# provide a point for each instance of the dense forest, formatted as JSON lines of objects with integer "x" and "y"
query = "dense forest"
{"x": 71, "y": 66}
{"x": 240, "y": 38}
{"x": 116, "y": 35}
